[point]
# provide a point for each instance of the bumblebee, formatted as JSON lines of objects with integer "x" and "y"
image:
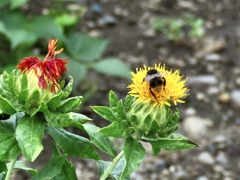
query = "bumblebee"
{"x": 156, "y": 81}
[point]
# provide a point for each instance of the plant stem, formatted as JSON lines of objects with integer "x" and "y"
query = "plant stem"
{"x": 112, "y": 166}
{"x": 10, "y": 169}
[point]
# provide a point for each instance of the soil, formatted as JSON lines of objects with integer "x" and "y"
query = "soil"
{"x": 216, "y": 55}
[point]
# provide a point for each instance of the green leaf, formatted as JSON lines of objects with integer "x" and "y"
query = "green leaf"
{"x": 16, "y": 28}
{"x": 53, "y": 167}
{"x": 67, "y": 173}
{"x": 9, "y": 148}
{"x": 171, "y": 124}
{"x": 34, "y": 98}
{"x": 3, "y": 3}
{"x": 134, "y": 153}
{"x": 105, "y": 112}
{"x": 12, "y": 78}
{"x": 55, "y": 100}
{"x": 2, "y": 26}
{"x": 116, "y": 173}
{"x": 29, "y": 133}
{"x": 154, "y": 127}
{"x": 23, "y": 95}
{"x": 173, "y": 142}
{"x": 21, "y": 165}
{"x": 100, "y": 140}
{"x": 20, "y": 36}
{"x": 118, "y": 129}
{"x": 66, "y": 19}
{"x": 69, "y": 104}
{"x": 113, "y": 99}
{"x": 33, "y": 110}
{"x": 85, "y": 48}
{"x": 6, "y": 106}
{"x": 3, "y": 166}
{"x": 8, "y": 143}
{"x": 128, "y": 102}
{"x": 3, "y": 170}
{"x": 64, "y": 120}
{"x": 45, "y": 27}
{"x": 112, "y": 67}
{"x": 77, "y": 71}
{"x": 102, "y": 166}
{"x": 68, "y": 169}
{"x": 68, "y": 89}
{"x": 17, "y": 3}
{"x": 121, "y": 111}
{"x": 172, "y": 118}
{"x": 73, "y": 144}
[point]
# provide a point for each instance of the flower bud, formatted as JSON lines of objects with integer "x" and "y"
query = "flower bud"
{"x": 146, "y": 118}
{"x": 27, "y": 85}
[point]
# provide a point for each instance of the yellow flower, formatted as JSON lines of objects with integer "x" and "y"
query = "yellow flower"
{"x": 166, "y": 85}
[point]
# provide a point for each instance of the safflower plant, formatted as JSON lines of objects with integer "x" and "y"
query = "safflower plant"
{"x": 34, "y": 101}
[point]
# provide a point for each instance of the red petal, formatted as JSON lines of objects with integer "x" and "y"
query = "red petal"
{"x": 28, "y": 62}
{"x": 42, "y": 82}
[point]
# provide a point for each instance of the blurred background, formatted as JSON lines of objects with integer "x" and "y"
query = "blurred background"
{"x": 106, "y": 39}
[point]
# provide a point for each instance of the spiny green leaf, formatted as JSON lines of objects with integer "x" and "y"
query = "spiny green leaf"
{"x": 105, "y": 112}
{"x": 53, "y": 167}
{"x": 100, "y": 140}
{"x": 68, "y": 172}
{"x": 34, "y": 98}
{"x": 173, "y": 142}
{"x": 128, "y": 102}
{"x": 121, "y": 111}
{"x": 68, "y": 89}
{"x": 134, "y": 153}
{"x": 68, "y": 169}
{"x": 8, "y": 143}
{"x": 73, "y": 144}
{"x": 29, "y": 133}
{"x": 33, "y": 110}
{"x": 154, "y": 127}
{"x": 9, "y": 147}
{"x": 22, "y": 96}
{"x": 172, "y": 118}
{"x": 55, "y": 100}
{"x": 12, "y": 82}
{"x": 6, "y": 106}
{"x": 69, "y": 104}
{"x": 118, "y": 129}
{"x": 113, "y": 99}
{"x": 64, "y": 120}
{"x": 21, "y": 165}
{"x": 8, "y": 126}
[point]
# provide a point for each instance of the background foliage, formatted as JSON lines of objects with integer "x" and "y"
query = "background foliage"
{"x": 22, "y": 33}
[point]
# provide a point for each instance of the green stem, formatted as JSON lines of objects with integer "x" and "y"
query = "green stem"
{"x": 10, "y": 169}
{"x": 112, "y": 166}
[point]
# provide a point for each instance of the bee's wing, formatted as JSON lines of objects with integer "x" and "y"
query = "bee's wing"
{"x": 162, "y": 74}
